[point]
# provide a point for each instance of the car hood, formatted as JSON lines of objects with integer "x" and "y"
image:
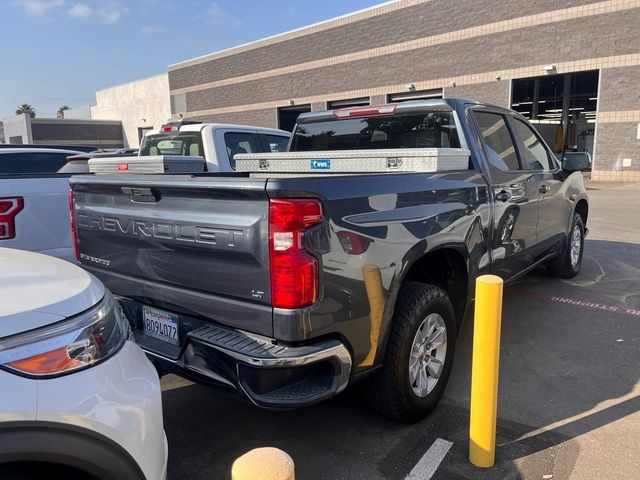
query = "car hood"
{"x": 37, "y": 290}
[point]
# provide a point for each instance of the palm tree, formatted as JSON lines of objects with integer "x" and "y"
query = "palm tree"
{"x": 26, "y": 108}
{"x": 61, "y": 110}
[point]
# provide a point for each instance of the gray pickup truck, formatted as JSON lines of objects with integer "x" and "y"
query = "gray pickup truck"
{"x": 288, "y": 288}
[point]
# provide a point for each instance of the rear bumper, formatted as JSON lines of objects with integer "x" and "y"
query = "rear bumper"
{"x": 265, "y": 372}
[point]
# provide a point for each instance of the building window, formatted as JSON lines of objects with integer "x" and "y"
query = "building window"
{"x": 352, "y": 102}
{"x": 287, "y": 116}
{"x": 562, "y": 107}
{"x": 414, "y": 95}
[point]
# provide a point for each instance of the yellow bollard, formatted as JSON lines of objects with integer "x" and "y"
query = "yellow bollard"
{"x": 263, "y": 464}
{"x": 484, "y": 371}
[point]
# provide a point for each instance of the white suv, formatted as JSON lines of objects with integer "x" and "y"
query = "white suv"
{"x": 77, "y": 396}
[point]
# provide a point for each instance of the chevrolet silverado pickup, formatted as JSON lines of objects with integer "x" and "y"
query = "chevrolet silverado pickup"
{"x": 288, "y": 287}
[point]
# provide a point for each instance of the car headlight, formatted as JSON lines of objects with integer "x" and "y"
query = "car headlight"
{"x": 67, "y": 346}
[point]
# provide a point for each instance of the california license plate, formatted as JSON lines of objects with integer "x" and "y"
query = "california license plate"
{"x": 161, "y": 325}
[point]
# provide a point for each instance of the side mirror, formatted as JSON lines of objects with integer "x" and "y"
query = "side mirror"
{"x": 576, "y": 162}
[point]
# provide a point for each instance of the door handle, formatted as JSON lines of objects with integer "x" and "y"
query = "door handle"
{"x": 503, "y": 196}
{"x": 543, "y": 189}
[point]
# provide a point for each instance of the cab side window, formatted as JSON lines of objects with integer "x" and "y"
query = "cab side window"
{"x": 536, "y": 155}
{"x": 499, "y": 145}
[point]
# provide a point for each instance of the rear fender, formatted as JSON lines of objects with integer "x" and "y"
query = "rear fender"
{"x": 412, "y": 258}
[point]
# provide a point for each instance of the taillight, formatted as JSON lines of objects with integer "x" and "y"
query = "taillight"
{"x": 294, "y": 271}
{"x": 74, "y": 230}
{"x": 9, "y": 208}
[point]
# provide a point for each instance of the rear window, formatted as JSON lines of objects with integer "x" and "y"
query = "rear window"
{"x": 75, "y": 166}
{"x": 32, "y": 162}
{"x": 425, "y": 130}
{"x": 274, "y": 143}
{"x": 240, "y": 142}
{"x": 180, "y": 144}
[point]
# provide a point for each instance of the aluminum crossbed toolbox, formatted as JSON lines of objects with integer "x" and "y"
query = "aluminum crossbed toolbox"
{"x": 355, "y": 161}
{"x": 151, "y": 164}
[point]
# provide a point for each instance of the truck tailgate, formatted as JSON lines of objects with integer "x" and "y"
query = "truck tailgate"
{"x": 43, "y": 223}
{"x": 195, "y": 245}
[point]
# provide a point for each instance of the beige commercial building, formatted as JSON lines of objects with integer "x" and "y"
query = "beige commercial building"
{"x": 140, "y": 106}
{"x": 572, "y": 67}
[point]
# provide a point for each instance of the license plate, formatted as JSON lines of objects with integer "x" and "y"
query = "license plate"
{"x": 160, "y": 324}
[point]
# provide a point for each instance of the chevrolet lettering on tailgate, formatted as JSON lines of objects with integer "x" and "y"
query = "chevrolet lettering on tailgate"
{"x": 160, "y": 230}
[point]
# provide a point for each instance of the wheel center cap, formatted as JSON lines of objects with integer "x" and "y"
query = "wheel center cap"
{"x": 423, "y": 354}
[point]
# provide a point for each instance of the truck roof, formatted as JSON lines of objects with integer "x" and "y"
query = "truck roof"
{"x": 37, "y": 146}
{"x": 9, "y": 151}
{"x": 196, "y": 127}
{"x": 401, "y": 107}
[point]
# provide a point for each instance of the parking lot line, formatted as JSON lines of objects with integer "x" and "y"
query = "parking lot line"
{"x": 430, "y": 461}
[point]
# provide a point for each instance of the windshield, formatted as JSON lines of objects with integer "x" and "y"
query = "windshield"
{"x": 434, "y": 129}
{"x": 173, "y": 143}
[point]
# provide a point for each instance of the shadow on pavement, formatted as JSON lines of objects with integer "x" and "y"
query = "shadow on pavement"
{"x": 559, "y": 361}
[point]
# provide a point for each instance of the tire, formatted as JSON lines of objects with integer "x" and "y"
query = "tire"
{"x": 568, "y": 264}
{"x": 392, "y": 392}
{"x": 40, "y": 471}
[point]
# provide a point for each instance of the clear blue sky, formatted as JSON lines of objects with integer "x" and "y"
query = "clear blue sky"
{"x": 55, "y": 52}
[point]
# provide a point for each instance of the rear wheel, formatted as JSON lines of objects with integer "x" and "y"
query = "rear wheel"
{"x": 568, "y": 265}
{"x": 419, "y": 354}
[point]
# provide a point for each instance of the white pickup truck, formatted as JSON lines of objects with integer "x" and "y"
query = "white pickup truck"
{"x": 34, "y": 201}
{"x": 191, "y": 146}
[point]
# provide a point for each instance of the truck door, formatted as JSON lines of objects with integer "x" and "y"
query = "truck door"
{"x": 513, "y": 238}
{"x": 554, "y": 211}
